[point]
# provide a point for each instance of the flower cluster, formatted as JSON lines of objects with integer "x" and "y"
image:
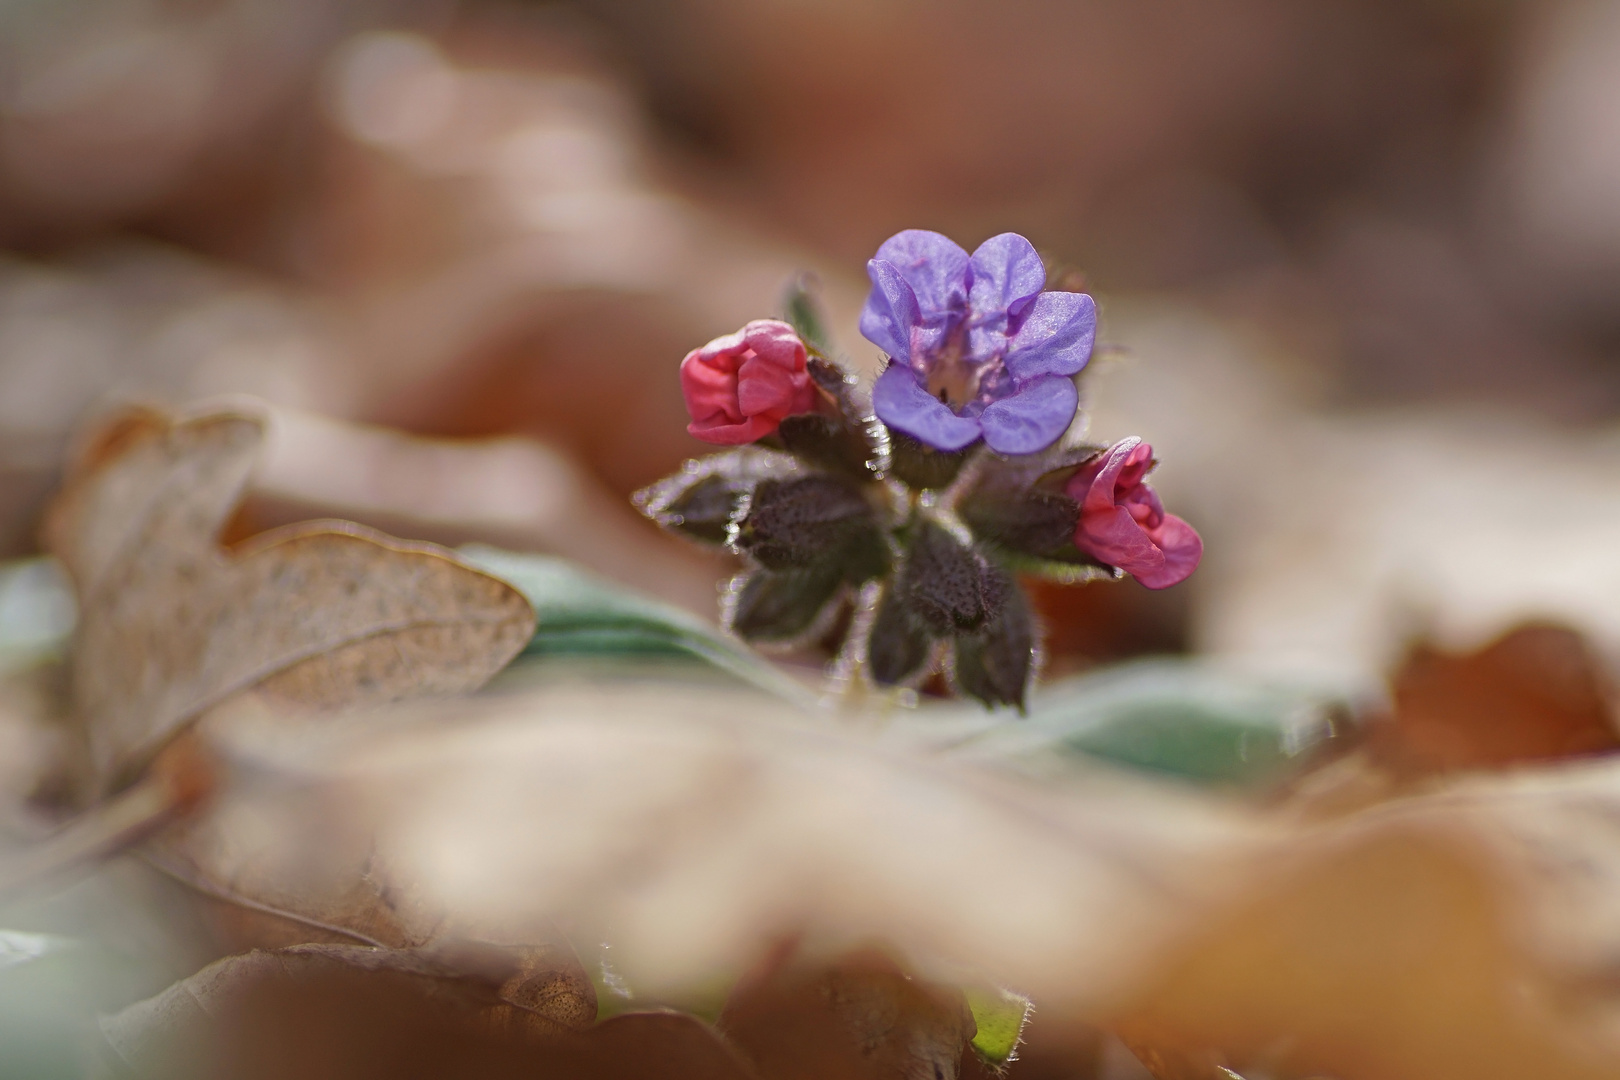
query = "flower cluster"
{"x": 914, "y": 512}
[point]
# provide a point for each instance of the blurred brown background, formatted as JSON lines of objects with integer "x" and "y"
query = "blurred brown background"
{"x": 1341, "y": 243}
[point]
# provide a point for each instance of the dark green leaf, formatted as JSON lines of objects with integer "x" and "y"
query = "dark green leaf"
{"x": 920, "y": 466}
{"x": 1029, "y": 522}
{"x": 775, "y": 606}
{"x": 994, "y": 664}
{"x": 899, "y": 645}
{"x": 699, "y": 501}
{"x": 793, "y": 524}
{"x": 1049, "y": 470}
{"x": 833, "y": 442}
{"x": 703, "y": 511}
{"x": 950, "y": 587}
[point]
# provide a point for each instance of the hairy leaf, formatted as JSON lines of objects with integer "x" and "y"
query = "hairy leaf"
{"x": 947, "y": 585}
{"x": 775, "y": 606}
{"x": 920, "y": 466}
{"x": 899, "y": 645}
{"x": 792, "y": 524}
{"x": 1031, "y": 522}
{"x": 700, "y": 501}
{"x": 836, "y": 442}
{"x": 995, "y": 663}
{"x": 704, "y": 510}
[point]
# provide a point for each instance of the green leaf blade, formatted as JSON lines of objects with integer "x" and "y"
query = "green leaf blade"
{"x": 581, "y": 615}
{"x": 1001, "y": 1016}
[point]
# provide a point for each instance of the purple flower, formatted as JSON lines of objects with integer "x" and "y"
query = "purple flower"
{"x": 976, "y": 347}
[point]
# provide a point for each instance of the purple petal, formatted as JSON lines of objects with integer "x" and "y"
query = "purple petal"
{"x": 891, "y": 311}
{"x": 905, "y": 406}
{"x": 1031, "y": 419}
{"x": 1006, "y": 272}
{"x": 934, "y": 266}
{"x": 1056, "y": 336}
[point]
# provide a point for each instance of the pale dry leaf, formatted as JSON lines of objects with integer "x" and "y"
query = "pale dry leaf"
{"x": 317, "y": 614}
{"x": 694, "y": 826}
{"x": 258, "y": 893}
{"x": 310, "y": 617}
{"x": 1461, "y": 934}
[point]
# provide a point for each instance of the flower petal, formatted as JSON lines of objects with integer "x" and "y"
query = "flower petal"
{"x": 1032, "y": 419}
{"x": 710, "y": 387}
{"x": 1006, "y": 272}
{"x": 755, "y": 427}
{"x": 777, "y": 342}
{"x": 905, "y": 406}
{"x": 891, "y": 311}
{"x": 1114, "y": 537}
{"x": 935, "y": 267}
{"x": 1094, "y": 485}
{"x": 765, "y": 389}
{"x": 1134, "y": 469}
{"x": 1055, "y": 338}
{"x": 1182, "y": 548}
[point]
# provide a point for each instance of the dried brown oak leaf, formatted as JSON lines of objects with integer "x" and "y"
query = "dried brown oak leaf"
{"x": 316, "y": 614}
{"x": 1535, "y": 695}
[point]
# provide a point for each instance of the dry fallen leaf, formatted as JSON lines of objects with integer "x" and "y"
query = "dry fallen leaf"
{"x": 1459, "y": 934}
{"x": 353, "y": 1011}
{"x": 307, "y": 618}
{"x": 317, "y": 614}
{"x": 694, "y": 826}
{"x": 1456, "y": 931}
{"x": 175, "y": 1021}
{"x": 1535, "y": 695}
{"x": 859, "y": 1017}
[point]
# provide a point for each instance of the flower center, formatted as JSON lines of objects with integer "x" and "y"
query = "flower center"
{"x": 953, "y": 378}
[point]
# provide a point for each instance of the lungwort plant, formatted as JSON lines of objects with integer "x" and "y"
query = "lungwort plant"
{"x": 900, "y": 522}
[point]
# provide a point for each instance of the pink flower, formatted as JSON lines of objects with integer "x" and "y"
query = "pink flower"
{"x": 741, "y": 386}
{"x": 1123, "y": 523}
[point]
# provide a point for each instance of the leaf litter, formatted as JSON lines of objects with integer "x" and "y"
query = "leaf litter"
{"x": 1451, "y": 926}
{"x": 317, "y": 614}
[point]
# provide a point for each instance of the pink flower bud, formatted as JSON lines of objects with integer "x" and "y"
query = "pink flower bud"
{"x": 741, "y": 386}
{"x": 1123, "y": 523}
